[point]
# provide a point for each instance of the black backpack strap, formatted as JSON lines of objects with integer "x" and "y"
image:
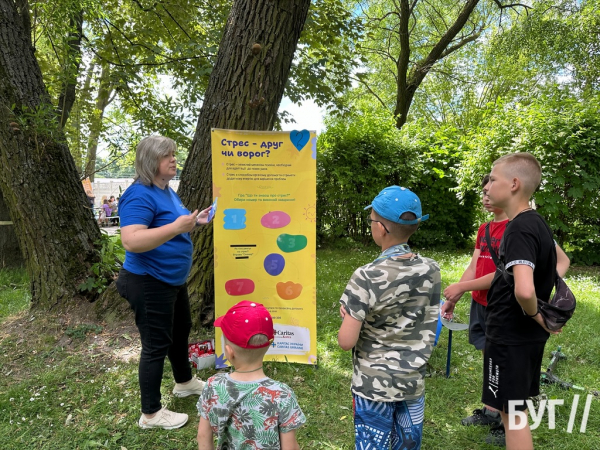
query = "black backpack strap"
{"x": 488, "y": 240}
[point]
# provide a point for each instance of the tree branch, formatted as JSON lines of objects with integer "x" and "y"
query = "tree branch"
{"x": 460, "y": 44}
{"x": 176, "y": 23}
{"x": 365, "y": 84}
{"x": 512, "y": 5}
{"x": 153, "y": 7}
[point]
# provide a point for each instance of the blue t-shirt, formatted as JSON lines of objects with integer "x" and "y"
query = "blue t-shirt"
{"x": 154, "y": 207}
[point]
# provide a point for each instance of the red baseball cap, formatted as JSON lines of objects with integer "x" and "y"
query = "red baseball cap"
{"x": 244, "y": 320}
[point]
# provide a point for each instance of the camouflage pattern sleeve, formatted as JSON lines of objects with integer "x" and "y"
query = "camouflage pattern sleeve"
{"x": 358, "y": 297}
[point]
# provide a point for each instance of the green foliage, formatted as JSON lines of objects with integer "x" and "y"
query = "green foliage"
{"x": 326, "y": 54}
{"x": 112, "y": 255}
{"x": 362, "y": 155}
{"x": 564, "y": 135}
{"x": 134, "y": 58}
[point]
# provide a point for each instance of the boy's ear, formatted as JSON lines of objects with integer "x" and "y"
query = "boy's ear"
{"x": 516, "y": 184}
{"x": 230, "y": 351}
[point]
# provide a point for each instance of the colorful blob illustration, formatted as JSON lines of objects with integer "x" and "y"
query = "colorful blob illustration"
{"x": 312, "y": 359}
{"x": 239, "y": 286}
{"x": 314, "y": 148}
{"x": 299, "y": 138}
{"x": 274, "y": 264}
{"x": 234, "y": 219}
{"x": 275, "y": 219}
{"x": 291, "y": 242}
{"x": 289, "y": 290}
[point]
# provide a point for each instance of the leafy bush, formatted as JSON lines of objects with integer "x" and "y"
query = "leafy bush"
{"x": 361, "y": 156}
{"x": 564, "y": 135}
{"x": 112, "y": 255}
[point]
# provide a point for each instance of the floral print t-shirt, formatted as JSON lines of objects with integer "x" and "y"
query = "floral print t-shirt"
{"x": 249, "y": 414}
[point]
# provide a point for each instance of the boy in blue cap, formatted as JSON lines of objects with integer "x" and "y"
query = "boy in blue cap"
{"x": 389, "y": 311}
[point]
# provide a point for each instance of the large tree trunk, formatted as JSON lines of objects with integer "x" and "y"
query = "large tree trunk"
{"x": 244, "y": 92}
{"x": 46, "y": 200}
{"x": 10, "y": 253}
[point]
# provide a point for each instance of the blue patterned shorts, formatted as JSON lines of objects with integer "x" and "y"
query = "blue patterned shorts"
{"x": 379, "y": 425}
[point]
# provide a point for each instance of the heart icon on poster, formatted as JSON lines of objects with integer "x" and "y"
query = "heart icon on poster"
{"x": 299, "y": 138}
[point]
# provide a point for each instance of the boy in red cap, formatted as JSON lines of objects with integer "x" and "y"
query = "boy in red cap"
{"x": 245, "y": 408}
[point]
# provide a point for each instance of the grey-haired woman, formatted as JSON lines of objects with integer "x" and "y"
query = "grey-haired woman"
{"x": 155, "y": 231}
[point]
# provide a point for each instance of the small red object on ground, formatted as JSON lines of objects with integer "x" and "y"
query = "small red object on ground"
{"x": 202, "y": 354}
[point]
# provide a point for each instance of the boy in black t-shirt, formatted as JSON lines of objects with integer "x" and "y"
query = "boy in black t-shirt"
{"x": 515, "y": 331}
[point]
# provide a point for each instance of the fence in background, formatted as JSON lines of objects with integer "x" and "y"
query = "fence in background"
{"x": 116, "y": 186}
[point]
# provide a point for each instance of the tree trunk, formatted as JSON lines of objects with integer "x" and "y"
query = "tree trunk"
{"x": 244, "y": 92}
{"x": 10, "y": 253}
{"x": 102, "y": 102}
{"x": 407, "y": 85}
{"x": 71, "y": 69}
{"x": 52, "y": 220}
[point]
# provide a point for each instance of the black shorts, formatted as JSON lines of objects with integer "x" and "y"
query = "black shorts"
{"x": 511, "y": 372}
{"x": 477, "y": 325}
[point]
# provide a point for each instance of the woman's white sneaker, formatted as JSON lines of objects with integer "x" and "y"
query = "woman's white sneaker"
{"x": 193, "y": 387}
{"x": 165, "y": 419}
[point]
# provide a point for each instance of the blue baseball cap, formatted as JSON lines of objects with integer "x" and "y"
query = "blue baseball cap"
{"x": 394, "y": 201}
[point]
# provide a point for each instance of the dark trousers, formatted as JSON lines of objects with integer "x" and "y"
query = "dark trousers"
{"x": 163, "y": 318}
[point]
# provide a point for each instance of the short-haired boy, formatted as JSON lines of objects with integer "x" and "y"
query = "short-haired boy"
{"x": 245, "y": 409}
{"x": 515, "y": 331}
{"x": 389, "y": 311}
{"x": 477, "y": 278}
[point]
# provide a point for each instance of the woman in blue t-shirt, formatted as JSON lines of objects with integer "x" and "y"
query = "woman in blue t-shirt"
{"x": 155, "y": 231}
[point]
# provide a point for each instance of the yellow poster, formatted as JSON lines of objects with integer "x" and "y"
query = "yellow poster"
{"x": 264, "y": 189}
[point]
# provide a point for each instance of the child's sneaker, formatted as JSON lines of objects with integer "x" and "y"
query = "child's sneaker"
{"x": 164, "y": 418}
{"x": 497, "y": 436}
{"x": 193, "y": 387}
{"x": 482, "y": 417}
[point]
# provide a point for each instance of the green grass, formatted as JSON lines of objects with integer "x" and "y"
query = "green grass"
{"x": 63, "y": 386}
{"x": 14, "y": 291}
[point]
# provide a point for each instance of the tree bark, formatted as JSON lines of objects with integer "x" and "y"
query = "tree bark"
{"x": 66, "y": 98}
{"x": 102, "y": 101}
{"x": 10, "y": 253}
{"x": 244, "y": 92}
{"x": 52, "y": 220}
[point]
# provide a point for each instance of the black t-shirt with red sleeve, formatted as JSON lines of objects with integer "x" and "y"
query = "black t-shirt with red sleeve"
{"x": 527, "y": 240}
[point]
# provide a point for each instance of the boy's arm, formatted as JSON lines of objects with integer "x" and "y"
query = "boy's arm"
{"x": 349, "y": 331}
{"x": 205, "y": 435}
{"x": 562, "y": 261}
{"x": 455, "y": 291}
{"x": 288, "y": 441}
{"x": 525, "y": 294}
